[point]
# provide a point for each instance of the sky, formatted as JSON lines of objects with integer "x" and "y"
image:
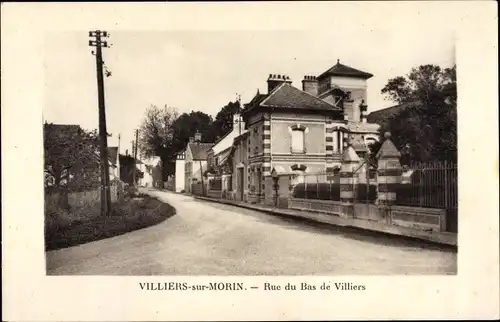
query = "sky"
{"x": 204, "y": 70}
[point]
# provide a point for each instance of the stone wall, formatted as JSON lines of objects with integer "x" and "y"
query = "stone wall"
{"x": 89, "y": 198}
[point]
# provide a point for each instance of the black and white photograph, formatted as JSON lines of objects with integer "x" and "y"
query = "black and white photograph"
{"x": 250, "y": 160}
{"x": 218, "y": 152}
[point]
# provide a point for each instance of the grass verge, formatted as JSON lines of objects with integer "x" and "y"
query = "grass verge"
{"x": 80, "y": 226}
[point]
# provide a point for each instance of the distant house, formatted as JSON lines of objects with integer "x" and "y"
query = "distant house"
{"x": 147, "y": 167}
{"x": 114, "y": 163}
{"x": 196, "y": 157}
{"x": 180, "y": 171}
{"x": 381, "y": 116}
{"x": 300, "y": 131}
{"x": 219, "y": 155}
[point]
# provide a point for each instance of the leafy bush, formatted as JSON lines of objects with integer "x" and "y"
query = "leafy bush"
{"x": 215, "y": 184}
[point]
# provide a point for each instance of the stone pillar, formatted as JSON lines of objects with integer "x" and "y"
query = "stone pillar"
{"x": 329, "y": 148}
{"x": 345, "y": 140}
{"x": 335, "y": 140}
{"x": 350, "y": 161}
{"x": 388, "y": 172}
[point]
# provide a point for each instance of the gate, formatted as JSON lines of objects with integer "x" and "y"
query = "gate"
{"x": 365, "y": 192}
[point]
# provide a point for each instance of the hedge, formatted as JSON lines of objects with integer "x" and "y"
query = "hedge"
{"x": 321, "y": 191}
{"x": 363, "y": 195}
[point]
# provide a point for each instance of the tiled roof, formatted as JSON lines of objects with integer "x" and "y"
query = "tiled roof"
{"x": 287, "y": 96}
{"x": 240, "y": 137}
{"x": 358, "y": 144}
{"x": 256, "y": 100}
{"x": 343, "y": 70}
{"x": 386, "y": 113}
{"x": 199, "y": 151}
{"x": 112, "y": 154}
{"x": 357, "y": 127}
{"x": 224, "y": 155}
{"x": 64, "y": 127}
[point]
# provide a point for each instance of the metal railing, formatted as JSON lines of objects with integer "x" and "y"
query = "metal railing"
{"x": 432, "y": 184}
{"x": 320, "y": 186}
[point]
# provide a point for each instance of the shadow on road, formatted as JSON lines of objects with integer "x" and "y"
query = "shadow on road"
{"x": 311, "y": 226}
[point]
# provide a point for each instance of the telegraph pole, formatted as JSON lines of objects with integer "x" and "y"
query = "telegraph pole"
{"x": 133, "y": 170}
{"x": 103, "y": 134}
{"x": 238, "y": 99}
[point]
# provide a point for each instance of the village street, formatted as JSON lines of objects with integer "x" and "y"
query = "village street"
{"x": 213, "y": 239}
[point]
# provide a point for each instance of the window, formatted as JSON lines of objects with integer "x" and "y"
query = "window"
{"x": 297, "y": 141}
{"x": 339, "y": 141}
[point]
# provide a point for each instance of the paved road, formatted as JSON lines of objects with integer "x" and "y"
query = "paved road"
{"x": 207, "y": 238}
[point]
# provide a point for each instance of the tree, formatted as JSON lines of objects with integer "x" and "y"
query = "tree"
{"x": 71, "y": 158}
{"x": 164, "y": 133}
{"x": 186, "y": 125}
{"x": 156, "y": 133}
{"x": 420, "y": 84}
{"x": 127, "y": 169}
{"x": 223, "y": 123}
{"x": 426, "y": 128}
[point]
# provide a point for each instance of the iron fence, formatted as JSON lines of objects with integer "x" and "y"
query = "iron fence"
{"x": 432, "y": 184}
{"x": 320, "y": 186}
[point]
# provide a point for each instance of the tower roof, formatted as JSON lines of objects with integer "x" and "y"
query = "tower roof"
{"x": 346, "y": 71}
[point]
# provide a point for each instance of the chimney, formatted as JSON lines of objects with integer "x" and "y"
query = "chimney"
{"x": 310, "y": 85}
{"x": 276, "y": 80}
{"x": 191, "y": 139}
{"x": 364, "y": 111}
{"x": 197, "y": 137}
{"x": 348, "y": 109}
{"x": 238, "y": 124}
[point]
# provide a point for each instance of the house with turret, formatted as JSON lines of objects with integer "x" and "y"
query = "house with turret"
{"x": 298, "y": 131}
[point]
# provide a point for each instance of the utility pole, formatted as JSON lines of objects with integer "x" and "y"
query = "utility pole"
{"x": 238, "y": 99}
{"x": 103, "y": 134}
{"x": 135, "y": 153}
{"x": 133, "y": 170}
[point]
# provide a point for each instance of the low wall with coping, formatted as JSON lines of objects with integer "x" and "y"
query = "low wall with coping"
{"x": 428, "y": 219}
{"x": 325, "y": 206}
{"x": 420, "y": 218}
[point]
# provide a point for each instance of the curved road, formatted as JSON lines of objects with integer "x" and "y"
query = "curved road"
{"x": 207, "y": 238}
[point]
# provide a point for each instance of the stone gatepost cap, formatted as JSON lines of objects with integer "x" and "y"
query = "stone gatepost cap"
{"x": 388, "y": 149}
{"x": 350, "y": 155}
